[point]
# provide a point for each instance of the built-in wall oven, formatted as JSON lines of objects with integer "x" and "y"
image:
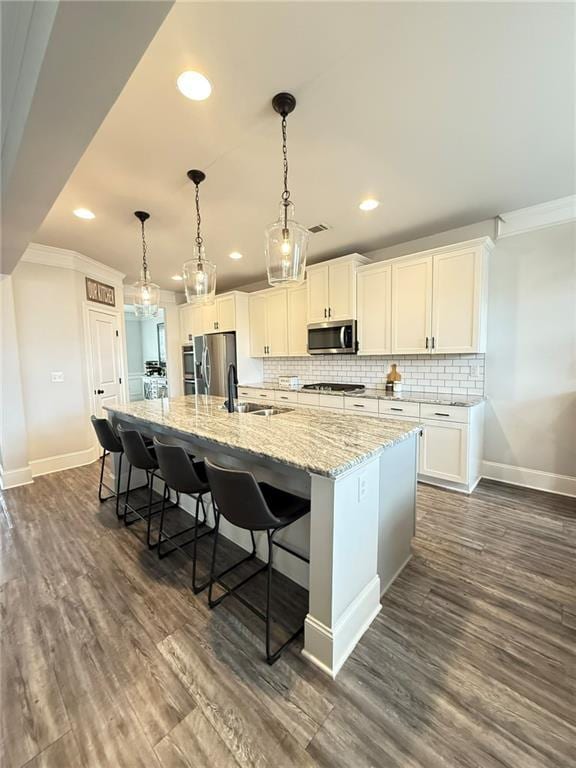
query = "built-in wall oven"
{"x": 189, "y": 369}
{"x": 332, "y": 338}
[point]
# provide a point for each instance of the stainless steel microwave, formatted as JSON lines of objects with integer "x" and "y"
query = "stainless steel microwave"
{"x": 332, "y": 338}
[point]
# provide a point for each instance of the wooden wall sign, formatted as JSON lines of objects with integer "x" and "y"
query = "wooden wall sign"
{"x": 100, "y": 292}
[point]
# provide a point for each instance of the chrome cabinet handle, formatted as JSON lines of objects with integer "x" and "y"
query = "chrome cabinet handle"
{"x": 426, "y": 342}
{"x": 325, "y": 315}
{"x": 329, "y": 311}
{"x": 433, "y": 342}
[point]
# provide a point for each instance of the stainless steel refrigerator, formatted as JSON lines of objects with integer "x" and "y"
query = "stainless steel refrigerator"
{"x": 213, "y": 354}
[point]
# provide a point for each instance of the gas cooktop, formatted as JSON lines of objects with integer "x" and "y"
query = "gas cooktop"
{"x": 331, "y": 387}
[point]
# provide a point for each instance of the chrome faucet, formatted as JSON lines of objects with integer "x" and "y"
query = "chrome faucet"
{"x": 232, "y": 387}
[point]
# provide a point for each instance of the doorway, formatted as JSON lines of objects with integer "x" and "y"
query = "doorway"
{"x": 146, "y": 355}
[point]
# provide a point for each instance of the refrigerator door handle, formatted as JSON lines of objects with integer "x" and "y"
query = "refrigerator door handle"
{"x": 208, "y": 374}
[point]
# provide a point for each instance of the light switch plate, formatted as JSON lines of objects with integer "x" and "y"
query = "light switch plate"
{"x": 362, "y": 486}
{"x": 57, "y": 377}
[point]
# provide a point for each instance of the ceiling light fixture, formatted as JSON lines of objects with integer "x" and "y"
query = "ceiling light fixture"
{"x": 199, "y": 273}
{"x": 147, "y": 300}
{"x": 235, "y": 255}
{"x": 194, "y": 86}
{"x": 286, "y": 241}
{"x": 177, "y": 277}
{"x": 368, "y": 205}
{"x": 84, "y": 213}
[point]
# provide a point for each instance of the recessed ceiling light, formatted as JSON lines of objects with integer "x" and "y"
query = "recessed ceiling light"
{"x": 84, "y": 213}
{"x": 369, "y": 204}
{"x": 194, "y": 85}
{"x": 235, "y": 255}
{"x": 177, "y": 277}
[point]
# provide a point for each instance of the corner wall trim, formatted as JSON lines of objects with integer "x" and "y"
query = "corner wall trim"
{"x": 12, "y": 478}
{"x": 563, "y": 485}
{"x": 63, "y": 461}
{"x": 548, "y": 214}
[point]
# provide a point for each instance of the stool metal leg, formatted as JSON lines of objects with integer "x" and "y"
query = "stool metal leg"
{"x": 103, "y": 459}
{"x": 124, "y": 515}
{"x": 118, "y": 486}
{"x": 217, "y": 579}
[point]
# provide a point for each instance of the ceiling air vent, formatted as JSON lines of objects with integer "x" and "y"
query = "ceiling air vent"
{"x": 318, "y": 228}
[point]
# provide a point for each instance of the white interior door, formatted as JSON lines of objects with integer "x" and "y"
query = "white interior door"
{"x": 105, "y": 360}
{"x": 456, "y": 302}
{"x": 412, "y": 306}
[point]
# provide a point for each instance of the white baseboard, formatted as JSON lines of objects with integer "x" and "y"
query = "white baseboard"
{"x": 64, "y": 461}
{"x": 529, "y": 478}
{"x": 12, "y": 478}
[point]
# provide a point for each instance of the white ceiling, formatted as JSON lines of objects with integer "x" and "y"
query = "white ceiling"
{"x": 447, "y": 113}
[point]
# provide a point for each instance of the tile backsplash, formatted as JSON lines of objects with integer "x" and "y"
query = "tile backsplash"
{"x": 453, "y": 374}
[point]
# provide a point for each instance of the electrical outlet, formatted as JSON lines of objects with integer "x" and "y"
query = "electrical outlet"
{"x": 362, "y": 487}
{"x": 57, "y": 377}
{"x": 475, "y": 371}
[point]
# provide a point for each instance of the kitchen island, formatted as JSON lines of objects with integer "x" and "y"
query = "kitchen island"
{"x": 360, "y": 475}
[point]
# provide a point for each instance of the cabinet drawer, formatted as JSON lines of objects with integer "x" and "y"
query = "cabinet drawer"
{"x": 286, "y": 397}
{"x": 256, "y": 394}
{"x": 361, "y": 404}
{"x": 456, "y": 413}
{"x": 398, "y": 408}
{"x": 331, "y": 401}
{"x": 308, "y": 398}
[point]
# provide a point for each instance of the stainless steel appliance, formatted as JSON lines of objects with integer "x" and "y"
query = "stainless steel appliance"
{"x": 213, "y": 355}
{"x": 332, "y": 388}
{"x": 189, "y": 369}
{"x": 332, "y": 338}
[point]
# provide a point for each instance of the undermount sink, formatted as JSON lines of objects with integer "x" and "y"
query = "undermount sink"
{"x": 270, "y": 411}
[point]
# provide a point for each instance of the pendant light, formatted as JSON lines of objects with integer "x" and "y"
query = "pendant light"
{"x": 147, "y": 300}
{"x": 199, "y": 273}
{"x": 286, "y": 241}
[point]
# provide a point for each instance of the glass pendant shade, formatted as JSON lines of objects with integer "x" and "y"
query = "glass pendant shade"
{"x": 147, "y": 298}
{"x": 286, "y": 246}
{"x": 199, "y": 278}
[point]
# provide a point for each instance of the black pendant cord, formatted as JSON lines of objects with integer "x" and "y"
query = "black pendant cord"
{"x": 286, "y": 192}
{"x": 199, "y": 239}
{"x": 144, "y": 260}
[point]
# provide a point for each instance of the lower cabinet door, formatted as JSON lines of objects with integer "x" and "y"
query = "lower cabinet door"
{"x": 444, "y": 451}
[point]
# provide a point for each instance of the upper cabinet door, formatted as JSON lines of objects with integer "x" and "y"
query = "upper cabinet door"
{"x": 257, "y": 311}
{"x": 277, "y": 323}
{"x": 210, "y": 317}
{"x": 226, "y": 313}
{"x": 456, "y": 306}
{"x": 317, "y": 287}
{"x": 341, "y": 291}
{"x": 297, "y": 321}
{"x": 412, "y": 306}
{"x": 374, "y": 288}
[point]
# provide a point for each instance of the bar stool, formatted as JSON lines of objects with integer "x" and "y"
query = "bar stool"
{"x": 110, "y": 444}
{"x": 141, "y": 456}
{"x": 184, "y": 476}
{"x": 254, "y": 507}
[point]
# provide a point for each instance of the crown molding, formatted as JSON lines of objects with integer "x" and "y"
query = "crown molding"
{"x": 47, "y": 255}
{"x": 560, "y": 211}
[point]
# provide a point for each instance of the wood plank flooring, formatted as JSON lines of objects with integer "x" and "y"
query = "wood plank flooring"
{"x": 108, "y": 660}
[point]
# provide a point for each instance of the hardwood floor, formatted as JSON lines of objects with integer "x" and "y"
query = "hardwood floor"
{"x": 109, "y": 660}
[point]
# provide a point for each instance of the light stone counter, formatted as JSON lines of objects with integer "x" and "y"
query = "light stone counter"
{"x": 360, "y": 475}
{"x": 441, "y": 398}
{"x": 321, "y": 443}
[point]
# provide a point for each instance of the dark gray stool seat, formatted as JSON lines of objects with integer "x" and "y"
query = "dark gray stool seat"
{"x": 110, "y": 444}
{"x": 141, "y": 455}
{"x": 254, "y": 507}
{"x": 184, "y": 476}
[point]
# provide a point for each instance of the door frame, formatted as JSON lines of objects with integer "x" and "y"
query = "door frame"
{"x": 88, "y": 307}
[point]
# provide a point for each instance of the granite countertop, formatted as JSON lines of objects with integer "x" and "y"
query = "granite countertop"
{"x": 322, "y": 443}
{"x": 441, "y": 398}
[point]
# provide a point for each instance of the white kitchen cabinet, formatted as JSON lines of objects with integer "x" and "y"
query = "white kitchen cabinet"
{"x": 296, "y": 299}
{"x": 457, "y": 306}
{"x": 412, "y": 306}
{"x": 332, "y": 289}
{"x": 269, "y": 323}
{"x": 191, "y": 322}
{"x": 444, "y": 451}
{"x": 220, "y": 316}
{"x": 374, "y": 308}
{"x": 439, "y": 300}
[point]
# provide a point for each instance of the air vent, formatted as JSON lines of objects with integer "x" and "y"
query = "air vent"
{"x": 318, "y": 228}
